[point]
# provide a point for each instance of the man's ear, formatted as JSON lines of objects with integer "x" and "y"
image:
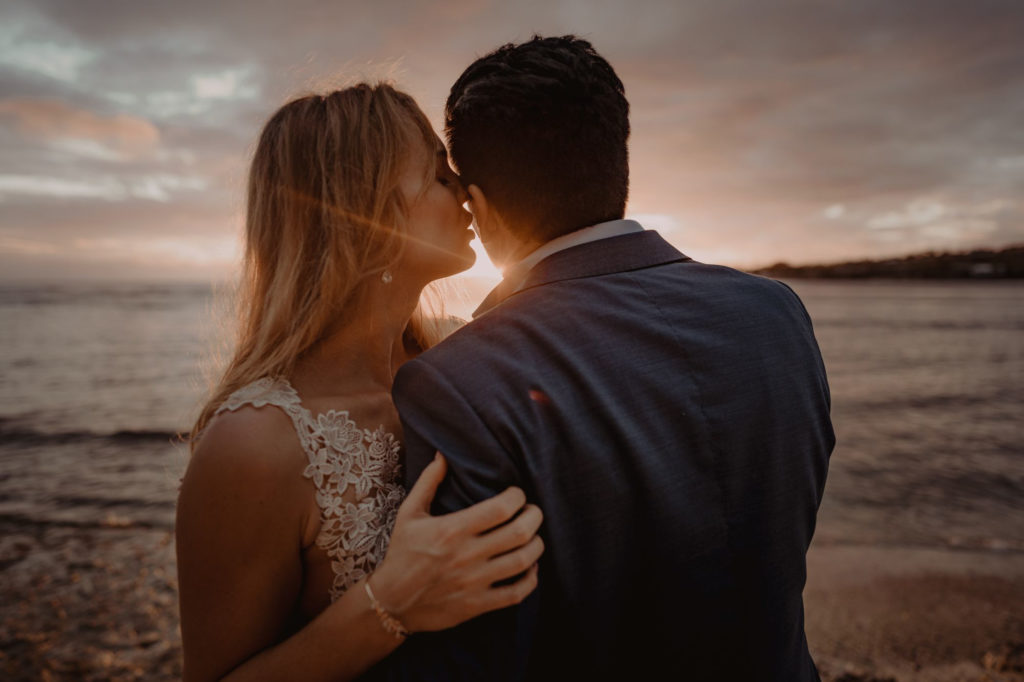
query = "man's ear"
{"x": 479, "y": 207}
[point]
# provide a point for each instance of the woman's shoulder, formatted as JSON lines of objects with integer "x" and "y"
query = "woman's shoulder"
{"x": 250, "y": 443}
{"x": 246, "y": 470}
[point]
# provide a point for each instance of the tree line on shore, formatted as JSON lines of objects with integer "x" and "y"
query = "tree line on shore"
{"x": 1007, "y": 263}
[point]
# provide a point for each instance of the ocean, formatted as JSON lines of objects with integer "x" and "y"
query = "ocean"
{"x": 927, "y": 379}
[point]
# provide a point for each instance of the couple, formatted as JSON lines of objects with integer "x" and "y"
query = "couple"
{"x": 634, "y": 443}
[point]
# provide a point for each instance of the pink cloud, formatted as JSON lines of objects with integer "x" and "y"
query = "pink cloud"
{"x": 52, "y": 119}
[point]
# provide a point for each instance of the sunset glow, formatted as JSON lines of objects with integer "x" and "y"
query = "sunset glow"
{"x": 831, "y": 132}
{"x": 483, "y": 267}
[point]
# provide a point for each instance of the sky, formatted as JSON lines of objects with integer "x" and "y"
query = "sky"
{"x": 763, "y": 130}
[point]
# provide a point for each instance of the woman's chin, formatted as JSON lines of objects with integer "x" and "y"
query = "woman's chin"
{"x": 453, "y": 264}
{"x": 464, "y": 261}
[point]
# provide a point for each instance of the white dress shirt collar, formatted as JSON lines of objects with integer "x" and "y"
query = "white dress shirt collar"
{"x": 515, "y": 275}
{"x": 612, "y": 228}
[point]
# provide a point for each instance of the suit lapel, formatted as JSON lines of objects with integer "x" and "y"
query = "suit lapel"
{"x": 634, "y": 251}
{"x": 627, "y": 252}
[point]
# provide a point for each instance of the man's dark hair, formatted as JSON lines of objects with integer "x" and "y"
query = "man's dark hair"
{"x": 541, "y": 128}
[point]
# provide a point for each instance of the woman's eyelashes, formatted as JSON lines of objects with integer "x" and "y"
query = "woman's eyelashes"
{"x": 449, "y": 179}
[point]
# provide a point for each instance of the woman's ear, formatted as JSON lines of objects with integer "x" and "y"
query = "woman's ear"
{"x": 479, "y": 207}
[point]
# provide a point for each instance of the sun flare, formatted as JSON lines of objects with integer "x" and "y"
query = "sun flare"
{"x": 483, "y": 267}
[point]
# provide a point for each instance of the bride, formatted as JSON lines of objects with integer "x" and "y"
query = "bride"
{"x": 293, "y": 491}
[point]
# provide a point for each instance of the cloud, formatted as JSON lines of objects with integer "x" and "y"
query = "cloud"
{"x": 22, "y": 48}
{"x": 790, "y": 130}
{"x": 140, "y": 257}
{"x": 25, "y": 247}
{"x": 916, "y": 213}
{"x": 52, "y": 119}
{"x": 226, "y": 84}
{"x": 834, "y": 212}
{"x": 107, "y": 189}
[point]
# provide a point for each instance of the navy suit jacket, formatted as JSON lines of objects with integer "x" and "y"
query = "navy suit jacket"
{"x": 671, "y": 419}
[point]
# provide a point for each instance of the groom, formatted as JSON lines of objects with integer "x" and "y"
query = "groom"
{"x": 670, "y": 418}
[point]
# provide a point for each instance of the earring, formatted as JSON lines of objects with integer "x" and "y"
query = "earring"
{"x": 386, "y": 277}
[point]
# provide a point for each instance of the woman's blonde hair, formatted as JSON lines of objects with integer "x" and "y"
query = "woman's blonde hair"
{"x": 325, "y": 214}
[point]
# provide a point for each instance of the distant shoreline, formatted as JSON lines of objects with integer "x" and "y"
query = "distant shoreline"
{"x": 975, "y": 265}
{"x": 983, "y": 264}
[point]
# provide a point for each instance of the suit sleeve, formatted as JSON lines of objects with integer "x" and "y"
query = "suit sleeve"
{"x": 436, "y": 416}
{"x": 809, "y": 329}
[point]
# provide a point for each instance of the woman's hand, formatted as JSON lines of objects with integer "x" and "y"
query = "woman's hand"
{"x": 440, "y": 570}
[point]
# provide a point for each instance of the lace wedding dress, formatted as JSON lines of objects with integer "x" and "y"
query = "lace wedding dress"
{"x": 356, "y": 473}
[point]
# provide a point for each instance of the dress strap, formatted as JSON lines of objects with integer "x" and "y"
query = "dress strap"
{"x": 279, "y": 393}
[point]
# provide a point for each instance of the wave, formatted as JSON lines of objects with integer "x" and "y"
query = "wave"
{"x": 863, "y": 323}
{"x": 881, "y": 402}
{"x": 78, "y": 501}
{"x": 17, "y": 435}
{"x": 24, "y": 522}
{"x": 120, "y": 295}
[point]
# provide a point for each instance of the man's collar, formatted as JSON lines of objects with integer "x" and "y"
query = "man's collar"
{"x": 618, "y": 246}
{"x": 515, "y": 275}
{"x": 611, "y": 228}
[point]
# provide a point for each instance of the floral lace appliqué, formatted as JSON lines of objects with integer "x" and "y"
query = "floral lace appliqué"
{"x": 356, "y": 473}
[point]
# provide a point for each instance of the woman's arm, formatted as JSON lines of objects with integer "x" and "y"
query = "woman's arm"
{"x": 242, "y": 514}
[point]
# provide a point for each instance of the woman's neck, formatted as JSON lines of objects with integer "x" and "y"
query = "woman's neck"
{"x": 363, "y": 354}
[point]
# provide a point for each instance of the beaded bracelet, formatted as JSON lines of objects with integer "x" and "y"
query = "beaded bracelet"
{"x": 387, "y": 621}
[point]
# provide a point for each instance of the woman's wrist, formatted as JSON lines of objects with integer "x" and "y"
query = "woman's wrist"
{"x": 388, "y": 619}
{"x": 396, "y": 587}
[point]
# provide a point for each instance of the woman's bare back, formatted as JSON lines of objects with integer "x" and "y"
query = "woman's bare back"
{"x": 354, "y": 481}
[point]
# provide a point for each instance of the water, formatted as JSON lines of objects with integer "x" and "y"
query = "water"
{"x": 95, "y": 383}
{"x": 927, "y": 384}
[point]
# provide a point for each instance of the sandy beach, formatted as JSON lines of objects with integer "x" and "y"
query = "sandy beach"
{"x": 875, "y": 614}
{"x": 88, "y": 603}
